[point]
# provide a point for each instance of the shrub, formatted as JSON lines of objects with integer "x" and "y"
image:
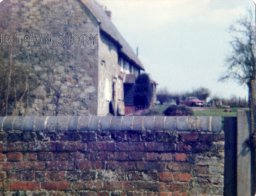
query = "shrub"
{"x": 142, "y": 91}
{"x": 180, "y": 110}
{"x": 151, "y": 112}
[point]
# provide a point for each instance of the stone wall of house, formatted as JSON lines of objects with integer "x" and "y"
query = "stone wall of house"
{"x": 110, "y": 80}
{"x": 111, "y": 156}
{"x": 58, "y": 40}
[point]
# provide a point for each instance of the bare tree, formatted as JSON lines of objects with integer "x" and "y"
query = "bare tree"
{"x": 241, "y": 62}
{"x": 201, "y": 93}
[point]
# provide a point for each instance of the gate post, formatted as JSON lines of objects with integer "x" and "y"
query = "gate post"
{"x": 244, "y": 155}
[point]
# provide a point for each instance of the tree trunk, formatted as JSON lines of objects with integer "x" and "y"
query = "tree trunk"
{"x": 249, "y": 94}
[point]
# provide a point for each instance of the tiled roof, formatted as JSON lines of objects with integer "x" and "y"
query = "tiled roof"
{"x": 109, "y": 28}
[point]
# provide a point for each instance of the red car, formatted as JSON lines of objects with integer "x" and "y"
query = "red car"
{"x": 193, "y": 101}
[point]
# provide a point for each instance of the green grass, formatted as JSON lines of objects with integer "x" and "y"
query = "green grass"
{"x": 203, "y": 111}
{"x": 215, "y": 112}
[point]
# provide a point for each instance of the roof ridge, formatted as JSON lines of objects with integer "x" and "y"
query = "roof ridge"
{"x": 110, "y": 29}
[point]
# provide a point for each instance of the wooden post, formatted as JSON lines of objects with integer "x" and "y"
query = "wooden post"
{"x": 230, "y": 176}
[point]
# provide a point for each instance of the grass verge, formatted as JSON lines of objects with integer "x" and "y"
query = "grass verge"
{"x": 158, "y": 110}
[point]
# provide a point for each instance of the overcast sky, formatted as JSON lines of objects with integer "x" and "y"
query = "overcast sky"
{"x": 183, "y": 44}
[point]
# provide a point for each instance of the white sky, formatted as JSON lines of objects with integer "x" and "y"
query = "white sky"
{"x": 183, "y": 44}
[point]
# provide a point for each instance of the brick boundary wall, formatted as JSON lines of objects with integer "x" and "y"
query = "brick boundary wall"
{"x": 74, "y": 155}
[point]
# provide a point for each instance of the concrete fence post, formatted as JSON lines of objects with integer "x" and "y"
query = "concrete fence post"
{"x": 244, "y": 155}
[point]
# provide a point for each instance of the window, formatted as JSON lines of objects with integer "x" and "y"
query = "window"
{"x": 130, "y": 69}
{"x": 126, "y": 67}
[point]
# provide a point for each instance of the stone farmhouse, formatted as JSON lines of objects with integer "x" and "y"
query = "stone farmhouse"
{"x": 81, "y": 60}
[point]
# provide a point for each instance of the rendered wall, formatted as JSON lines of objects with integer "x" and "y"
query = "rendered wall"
{"x": 110, "y": 81}
{"x": 111, "y": 156}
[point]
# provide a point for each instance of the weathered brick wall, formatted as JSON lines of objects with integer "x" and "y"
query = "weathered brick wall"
{"x": 111, "y": 156}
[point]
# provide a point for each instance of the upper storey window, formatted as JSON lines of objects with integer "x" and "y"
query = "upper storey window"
{"x": 127, "y": 67}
